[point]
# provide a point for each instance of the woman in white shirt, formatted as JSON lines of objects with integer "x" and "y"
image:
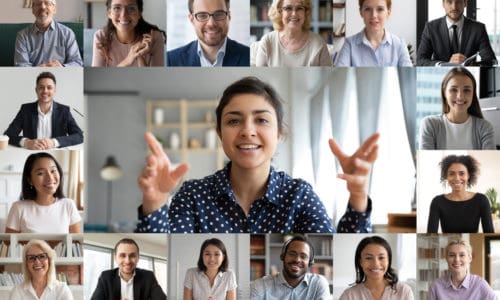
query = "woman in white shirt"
{"x": 43, "y": 207}
{"x": 39, "y": 273}
{"x": 461, "y": 126}
{"x": 212, "y": 279}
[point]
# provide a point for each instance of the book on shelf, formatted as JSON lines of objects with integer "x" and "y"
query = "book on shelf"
{"x": 4, "y": 249}
{"x": 11, "y": 279}
{"x": 257, "y": 245}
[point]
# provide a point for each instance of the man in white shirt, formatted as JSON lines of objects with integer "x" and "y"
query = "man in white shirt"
{"x": 45, "y": 124}
{"x": 127, "y": 281}
{"x": 295, "y": 281}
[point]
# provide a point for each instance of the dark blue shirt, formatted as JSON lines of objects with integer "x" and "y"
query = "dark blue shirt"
{"x": 288, "y": 205}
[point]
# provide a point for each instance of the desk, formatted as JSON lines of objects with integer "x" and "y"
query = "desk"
{"x": 402, "y": 223}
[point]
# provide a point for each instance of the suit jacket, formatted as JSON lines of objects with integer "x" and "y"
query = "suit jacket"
{"x": 187, "y": 56}
{"x": 145, "y": 286}
{"x": 64, "y": 127}
{"x": 435, "y": 44}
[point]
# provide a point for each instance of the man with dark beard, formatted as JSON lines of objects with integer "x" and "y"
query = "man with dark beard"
{"x": 210, "y": 20}
{"x": 295, "y": 282}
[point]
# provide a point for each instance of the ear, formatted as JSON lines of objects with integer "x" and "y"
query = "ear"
{"x": 229, "y": 16}
{"x": 389, "y": 11}
{"x": 191, "y": 18}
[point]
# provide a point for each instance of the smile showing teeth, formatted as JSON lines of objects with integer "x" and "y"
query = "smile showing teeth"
{"x": 248, "y": 147}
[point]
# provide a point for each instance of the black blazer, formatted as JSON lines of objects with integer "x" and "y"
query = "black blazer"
{"x": 435, "y": 43}
{"x": 145, "y": 286}
{"x": 186, "y": 56}
{"x": 64, "y": 127}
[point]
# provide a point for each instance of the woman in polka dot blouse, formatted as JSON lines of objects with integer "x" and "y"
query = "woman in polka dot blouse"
{"x": 249, "y": 195}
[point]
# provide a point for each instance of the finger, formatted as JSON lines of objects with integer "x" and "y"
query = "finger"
{"x": 154, "y": 145}
{"x": 368, "y": 145}
{"x": 351, "y": 179}
{"x": 372, "y": 156}
{"x": 361, "y": 167}
{"x": 335, "y": 148}
{"x": 180, "y": 171}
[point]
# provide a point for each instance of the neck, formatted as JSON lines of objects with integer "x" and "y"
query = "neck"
{"x": 379, "y": 283}
{"x": 45, "y": 106}
{"x": 44, "y": 199}
{"x": 293, "y": 33}
{"x": 43, "y": 26}
{"x": 126, "y": 37}
{"x": 375, "y": 37}
{"x": 39, "y": 282}
{"x": 211, "y": 273}
{"x": 125, "y": 277}
{"x": 458, "y": 278}
{"x": 210, "y": 52}
{"x": 458, "y": 195}
{"x": 293, "y": 281}
{"x": 457, "y": 118}
{"x": 248, "y": 185}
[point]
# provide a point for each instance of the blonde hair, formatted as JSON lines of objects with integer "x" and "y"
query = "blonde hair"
{"x": 460, "y": 242}
{"x": 51, "y": 272}
{"x": 275, "y": 14}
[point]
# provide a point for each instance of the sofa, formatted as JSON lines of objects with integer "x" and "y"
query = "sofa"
{"x": 8, "y": 32}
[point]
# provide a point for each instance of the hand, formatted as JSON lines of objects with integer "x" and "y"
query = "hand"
{"x": 356, "y": 169}
{"x": 158, "y": 178}
{"x": 38, "y": 144}
{"x": 147, "y": 41}
{"x": 52, "y": 63}
{"x": 457, "y": 58}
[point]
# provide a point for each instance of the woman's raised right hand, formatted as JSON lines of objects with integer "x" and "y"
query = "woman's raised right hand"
{"x": 158, "y": 177}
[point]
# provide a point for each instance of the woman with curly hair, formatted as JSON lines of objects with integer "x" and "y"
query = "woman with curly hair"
{"x": 375, "y": 277}
{"x": 128, "y": 40}
{"x": 460, "y": 210}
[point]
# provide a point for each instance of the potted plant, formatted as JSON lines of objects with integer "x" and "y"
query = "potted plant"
{"x": 491, "y": 193}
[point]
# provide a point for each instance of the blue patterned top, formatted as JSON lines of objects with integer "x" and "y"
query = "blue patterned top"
{"x": 288, "y": 205}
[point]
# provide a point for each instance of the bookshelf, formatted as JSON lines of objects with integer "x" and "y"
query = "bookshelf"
{"x": 321, "y": 18}
{"x": 265, "y": 250}
{"x": 186, "y": 129}
{"x": 431, "y": 260}
{"x": 69, "y": 261}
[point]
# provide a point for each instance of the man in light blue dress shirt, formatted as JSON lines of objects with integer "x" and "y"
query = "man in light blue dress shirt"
{"x": 46, "y": 43}
{"x": 294, "y": 282}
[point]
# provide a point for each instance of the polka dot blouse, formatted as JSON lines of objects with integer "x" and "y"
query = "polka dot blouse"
{"x": 288, "y": 205}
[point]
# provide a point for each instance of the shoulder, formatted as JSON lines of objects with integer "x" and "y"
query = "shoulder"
{"x": 60, "y": 106}
{"x": 473, "y": 23}
{"x": 432, "y": 120}
{"x": 434, "y": 24}
{"x": 29, "y": 106}
{"x": 108, "y": 274}
{"x": 235, "y": 46}
{"x": 63, "y": 28}
{"x": 282, "y": 179}
{"x": 144, "y": 273}
{"x": 316, "y": 39}
{"x": 403, "y": 288}
{"x": 66, "y": 202}
{"x": 481, "y": 122}
{"x": 353, "y": 290}
{"x": 19, "y": 204}
{"x": 481, "y": 197}
{"x": 28, "y": 30}
{"x": 356, "y": 38}
{"x": 188, "y": 47}
{"x": 396, "y": 40}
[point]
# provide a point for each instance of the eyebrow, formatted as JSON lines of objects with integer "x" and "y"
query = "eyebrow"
{"x": 254, "y": 112}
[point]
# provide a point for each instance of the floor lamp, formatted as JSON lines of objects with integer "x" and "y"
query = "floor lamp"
{"x": 110, "y": 172}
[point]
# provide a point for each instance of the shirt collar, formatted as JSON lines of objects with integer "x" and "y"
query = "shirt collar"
{"x": 305, "y": 280}
{"x": 364, "y": 40}
{"x": 220, "y": 54}
{"x": 223, "y": 185}
{"x": 466, "y": 283}
{"x": 459, "y": 24}
{"x": 51, "y": 27}
{"x": 45, "y": 114}
{"x": 131, "y": 278}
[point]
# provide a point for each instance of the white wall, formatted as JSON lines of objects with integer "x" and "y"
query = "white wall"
{"x": 428, "y": 177}
{"x": 402, "y": 21}
{"x": 18, "y": 87}
{"x": 67, "y": 10}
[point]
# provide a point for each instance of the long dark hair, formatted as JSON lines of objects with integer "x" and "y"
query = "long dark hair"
{"x": 474, "y": 108}
{"x": 390, "y": 275}
{"x": 28, "y": 192}
{"x": 219, "y": 244}
{"x": 141, "y": 28}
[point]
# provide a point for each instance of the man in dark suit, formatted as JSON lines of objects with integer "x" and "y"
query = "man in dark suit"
{"x": 126, "y": 281}
{"x": 210, "y": 19}
{"x": 453, "y": 38}
{"x": 45, "y": 124}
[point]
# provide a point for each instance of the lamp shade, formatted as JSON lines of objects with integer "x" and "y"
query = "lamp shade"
{"x": 111, "y": 171}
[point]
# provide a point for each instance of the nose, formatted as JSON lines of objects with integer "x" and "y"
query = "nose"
{"x": 248, "y": 129}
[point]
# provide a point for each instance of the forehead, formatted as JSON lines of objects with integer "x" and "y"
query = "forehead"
{"x": 45, "y": 82}
{"x": 374, "y": 249}
{"x": 125, "y": 248}
{"x": 461, "y": 80}
{"x": 209, "y": 5}
{"x": 457, "y": 167}
{"x": 248, "y": 102}
{"x": 123, "y": 2}
{"x": 44, "y": 162}
{"x": 454, "y": 1}
{"x": 34, "y": 249}
{"x": 372, "y": 3}
{"x": 292, "y": 2}
{"x": 211, "y": 248}
{"x": 457, "y": 248}
{"x": 299, "y": 247}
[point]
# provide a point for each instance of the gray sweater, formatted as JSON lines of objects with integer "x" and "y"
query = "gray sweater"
{"x": 433, "y": 134}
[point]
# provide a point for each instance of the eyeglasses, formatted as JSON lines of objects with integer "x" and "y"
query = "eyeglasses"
{"x": 294, "y": 254}
{"x": 219, "y": 15}
{"x": 43, "y": 3}
{"x": 289, "y": 9}
{"x": 131, "y": 9}
{"x": 41, "y": 257}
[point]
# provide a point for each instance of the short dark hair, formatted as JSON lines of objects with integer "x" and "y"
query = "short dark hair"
{"x": 126, "y": 241}
{"x": 468, "y": 161}
{"x": 190, "y": 5}
{"x": 252, "y": 85}
{"x": 474, "y": 108}
{"x": 45, "y": 75}
{"x": 298, "y": 238}
{"x": 219, "y": 244}
{"x": 391, "y": 275}
{"x": 28, "y": 192}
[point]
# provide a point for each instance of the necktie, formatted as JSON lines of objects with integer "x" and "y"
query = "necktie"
{"x": 454, "y": 40}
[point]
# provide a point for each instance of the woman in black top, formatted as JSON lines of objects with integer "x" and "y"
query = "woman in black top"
{"x": 460, "y": 210}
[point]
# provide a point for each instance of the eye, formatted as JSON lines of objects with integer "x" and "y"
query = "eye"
{"x": 232, "y": 121}
{"x": 262, "y": 120}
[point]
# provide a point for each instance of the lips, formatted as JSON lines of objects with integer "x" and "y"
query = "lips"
{"x": 248, "y": 147}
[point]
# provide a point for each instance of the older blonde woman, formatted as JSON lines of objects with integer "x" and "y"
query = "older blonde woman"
{"x": 291, "y": 44}
{"x": 459, "y": 283}
{"x": 40, "y": 275}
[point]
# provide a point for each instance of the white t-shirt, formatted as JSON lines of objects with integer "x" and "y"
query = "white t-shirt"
{"x": 198, "y": 282}
{"x": 56, "y": 291}
{"x": 27, "y": 216}
{"x": 458, "y": 136}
